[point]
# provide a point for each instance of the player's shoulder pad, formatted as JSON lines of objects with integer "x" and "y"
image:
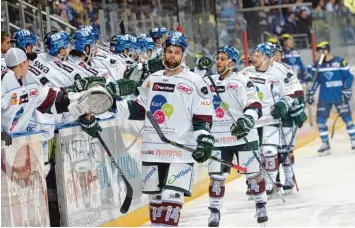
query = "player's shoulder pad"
{"x": 248, "y": 69}
{"x": 198, "y": 82}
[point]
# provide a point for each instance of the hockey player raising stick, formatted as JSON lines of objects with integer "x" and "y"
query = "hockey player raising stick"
{"x": 335, "y": 81}
{"x": 240, "y": 96}
{"x": 181, "y": 103}
{"x": 275, "y": 94}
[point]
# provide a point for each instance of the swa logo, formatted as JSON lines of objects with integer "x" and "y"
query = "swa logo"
{"x": 160, "y": 108}
{"x": 219, "y": 107}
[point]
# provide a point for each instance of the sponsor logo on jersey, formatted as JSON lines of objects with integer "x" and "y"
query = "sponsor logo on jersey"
{"x": 331, "y": 84}
{"x": 23, "y": 99}
{"x": 232, "y": 86}
{"x": 41, "y": 67}
{"x": 220, "y": 89}
{"x": 250, "y": 160}
{"x": 33, "y": 92}
{"x": 161, "y": 109}
{"x": 34, "y": 70}
{"x": 151, "y": 172}
{"x": 205, "y": 103}
{"x": 147, "y": 152}
{"x": 272, "y": 81}
{"x": 184, "y": 88}
{"x": 175, "y": 196}
{"x": 164, "y": 87}
{"x": 17, "y": 117}
{"x": 168, "y": 153}
{"x": 219, "y": 107}
{"x": 258, "y": 80}
{"x": 182, "y": 173}
{"x": 335, "y": 64}
{"x": 13, "y": 98}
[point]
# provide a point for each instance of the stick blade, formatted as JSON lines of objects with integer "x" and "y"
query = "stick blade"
{"x": 128, "y": 200}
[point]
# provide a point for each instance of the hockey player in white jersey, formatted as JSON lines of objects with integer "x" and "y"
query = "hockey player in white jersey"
{"x": 291, "y": 121}
{"x": 22, "y": 94}
{"x": 238, "y": 94}
{"x": 275, "y": 94}
{"x": 181, "y": 104}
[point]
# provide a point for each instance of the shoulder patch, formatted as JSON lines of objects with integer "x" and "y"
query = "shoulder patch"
{"x": 344, "y": 63}
{"x": 204, "y": 90}
{"x": 250, "y": 84}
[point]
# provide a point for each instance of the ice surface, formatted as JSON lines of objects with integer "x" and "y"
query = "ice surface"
{"x": 326, "y": 196}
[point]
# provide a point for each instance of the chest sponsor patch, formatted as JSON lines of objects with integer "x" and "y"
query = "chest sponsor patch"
{"x": 23, "y": 99}
{"x": 184, "y": 88}
{"x": 232, "y": 86}
{"x": 13, "y": 98}
{"x": 220, "y": 89}
{"x": 33, "y": 92}
{"x": 258, "y": 80}
{"x": 163, "y": 87}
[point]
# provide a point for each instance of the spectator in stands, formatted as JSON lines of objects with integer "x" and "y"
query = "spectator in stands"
{"x": 299, "y": 7}
{"x": 5, "y": 42}
{"x": 303, "y": 23}
{"x": 290, "y": 25}
{"x": 331, "y": 7}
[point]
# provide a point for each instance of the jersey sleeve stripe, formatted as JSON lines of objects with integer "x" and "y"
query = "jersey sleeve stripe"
{"x": 47, "y": 104}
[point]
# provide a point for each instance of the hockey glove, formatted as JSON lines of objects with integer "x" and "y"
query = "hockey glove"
{"x": 155, "y": 65}
{"x": 204, "y": 63}
{"x": 85, "y": 83}
{"x": 204, "y": 148}
{"x": 126, "y": 86}
{"x": 129, "y": 70}
{"x": 6, "y": 137}
{"x": 279, "y": 109}
{"x": 113, "y": 90}
{"x": 310, "y": 97}
{"x": 298, "y": 115}
{"x": 243, "y": 127}
{"x": 347, "y": 93}
{"x": 90, "y": 126}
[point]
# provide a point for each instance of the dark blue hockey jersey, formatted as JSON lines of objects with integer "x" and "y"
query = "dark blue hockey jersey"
{"x": 293, "y": 58}
{"x": 333, "y": 77}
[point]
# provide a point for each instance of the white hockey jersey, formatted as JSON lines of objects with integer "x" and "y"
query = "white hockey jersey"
{"x": 239, "y": 95}
{"x": 295, "y": 87}
{"x": 177, "y": 103}
{"x": 107, "y": 62}
{"x": 271, "y": 85}
{"x": 20, "y": 99}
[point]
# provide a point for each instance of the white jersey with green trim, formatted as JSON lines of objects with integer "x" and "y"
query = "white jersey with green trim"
{"x": 271, "y": 86}
{"x": 177, "y": 102}
{"x": 238, "y": 94}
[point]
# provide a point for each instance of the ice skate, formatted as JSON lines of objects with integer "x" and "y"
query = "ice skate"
{"x": 324, "y": 149}
{"x": 215, "y": 217}
{"x": 288, "y": 186}
{"x": 260, "y": 214}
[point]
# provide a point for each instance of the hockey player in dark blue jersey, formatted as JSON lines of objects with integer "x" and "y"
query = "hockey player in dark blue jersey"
{"x": 293, "y": 58}
{"x": 335, "y": 81}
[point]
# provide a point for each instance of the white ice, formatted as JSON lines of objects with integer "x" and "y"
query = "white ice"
{"x": 326, "y": 196}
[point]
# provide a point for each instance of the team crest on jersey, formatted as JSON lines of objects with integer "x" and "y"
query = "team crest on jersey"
{"x": 335, "y": 64}
{"x": 292, "y": 60}
{"x": 13, "y": 98}
{"x": 328, "y": 75}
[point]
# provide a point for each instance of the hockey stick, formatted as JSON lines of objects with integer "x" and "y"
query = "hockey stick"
{"x": 284, "y": 138}
{"x": 129, "y": 190}
{"x": 246, "y": 141}
{"x": 162, "y": 137}
{"x": 333, "y": 127}
{"x": 320, "y": 61}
